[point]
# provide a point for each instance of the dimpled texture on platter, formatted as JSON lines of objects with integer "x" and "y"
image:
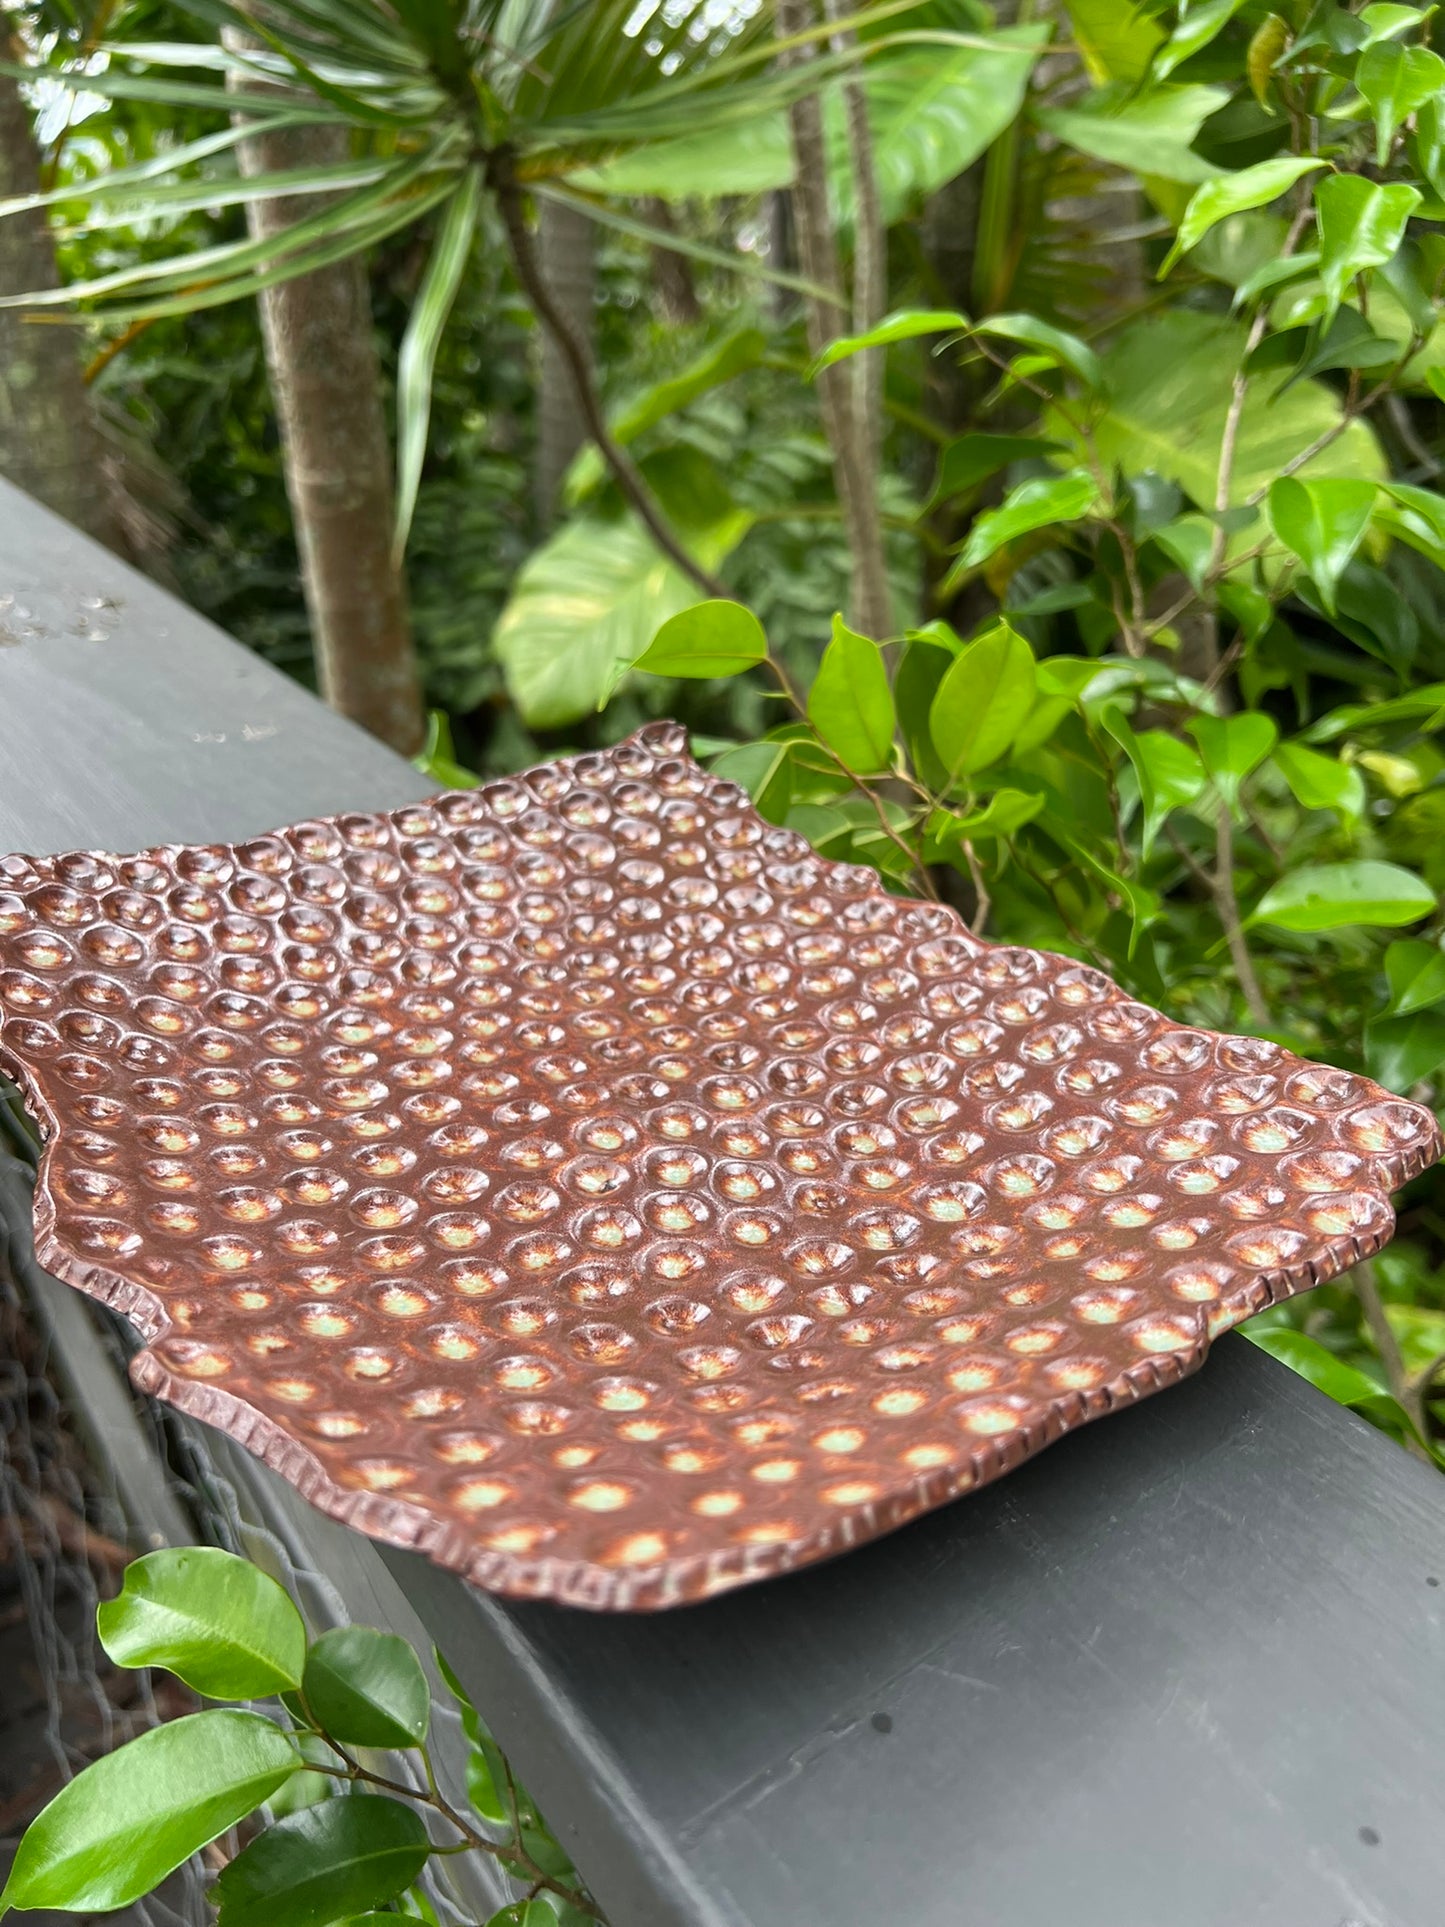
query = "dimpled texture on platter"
{"x": 581, "y": 1181}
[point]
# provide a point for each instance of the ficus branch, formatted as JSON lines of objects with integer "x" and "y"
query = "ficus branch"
{"x": 511, "y": 1853}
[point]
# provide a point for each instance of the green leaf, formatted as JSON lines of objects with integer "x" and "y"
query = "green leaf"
{"x": 314, "y": 1867}
{"x": 1066, "y": 349}
{"x": 983, "y": 701}
{"x": 1233, "y": 746}
{"x": 1170, "y": 774}
{"x": 366, "y": 1688}
{"x": 215, "y": 1621}
{"x": 1416, "y": 974}
{"x": 1417, "y": 517}
{"x": 1271, "y": 38}
{"x": 1006, "y": 811}
{"x": 1149, "y": 134}
{"x": 1204, "y": 21}
{"x": 764, "y": 771}
{"x": 1329, "y": 896}
{"x": 932, "y": 112}
{"x": 1253, "y": 186}
{"x": 122, "y": 1825}
{"x": 1038, "y": 503}
{"x": 1395, "y": 81}
{"x": 710, "y": 639}
{"x": 591, "y": 597}
{"x": 486, "y": 1769}
{"x": 416, "y": 361}
{"x": 905, "y": 324}
{"x": 1117, "y": 41}
{"x": 1362, "y": 224}
{"x": 922, "y": 666}
{"x": 850, "y": 704}
{"x": 1321, "y": 782}
{"x": 1345, "y": 1384}
{"x": 1170, "y": 382}
{"x": 973, "y": 458}
{"x": 1322, "y": 523}
{"x": 1400, "y": 1051}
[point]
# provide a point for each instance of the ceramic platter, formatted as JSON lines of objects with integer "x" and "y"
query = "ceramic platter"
{"x": 581, "y": 1181}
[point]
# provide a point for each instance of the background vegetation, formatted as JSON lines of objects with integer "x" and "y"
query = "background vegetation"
{"x": 1086, "y": 356}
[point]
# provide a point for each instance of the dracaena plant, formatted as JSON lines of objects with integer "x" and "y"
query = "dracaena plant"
{"x": 461, "y": 113}
{"x": 333, "y": 1835}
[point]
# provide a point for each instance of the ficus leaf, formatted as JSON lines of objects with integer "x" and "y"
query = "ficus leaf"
{"x": 904, "y": 325}
{"x": 983, "y": 701}
{"x": 1343, "y": 1382}
{"x": 1362, "y": 224}
{"x": 714, "y": 638}
{"x": 1322, "y": 523}
{"x": 850, "y": 704}
{"x": 1321, "y": 782}
{"x": 1270, "y": 39}
{"x": 1400, "y": 1051}
{"x": 314, "y": 1867}
{"x": 1006, "y": 810}
{"x": 1204, "y": 21}
{"x": 135, "y": 1815}
{"x": 1416, "y": 974}
{"x": 217, "y": 1622}
{"x": 366, "y": 1688}
{"x": 1251, "y": 187}
{"x": 1169, "y": 772}
{"x": 1065, "y": 349}
{"x": 973, "y": 458}
{"x": 1330, "y": 896}
{"x": 1232, "y": 747}
{"x": 1038, "y": 503}
{"x": 1396, "y": 81}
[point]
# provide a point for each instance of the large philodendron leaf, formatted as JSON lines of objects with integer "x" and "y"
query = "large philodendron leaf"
{"x": 1169, "y": 381}
{"x": 590, "y": 599}
{"x": 1150, "y": 133}
{"x": 933, "y": 111}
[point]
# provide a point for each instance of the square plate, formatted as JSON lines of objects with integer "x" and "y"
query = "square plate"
{"x": 581, "y": 1181}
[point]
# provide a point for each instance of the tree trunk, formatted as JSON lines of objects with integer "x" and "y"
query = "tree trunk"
{"x": 671, "y": 271}
{"x": 326, "y": 383}
{"x": 567, "y": 257}
{"x": 48, "y": 440}
{"x": 855, "y": 475}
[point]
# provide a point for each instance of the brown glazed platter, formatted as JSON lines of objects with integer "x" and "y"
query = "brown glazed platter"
{"x": 581, "y": 1181}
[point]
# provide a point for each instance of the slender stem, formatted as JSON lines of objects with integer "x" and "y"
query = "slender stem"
{"x": 1226, "y": 903}
{"x": 983, "y": 902}
{"x": 624, "y": 470}
{"x": 1410, "y": 1392}
{"x": 789, "y": 690}
{"x": 506, "y": 1851}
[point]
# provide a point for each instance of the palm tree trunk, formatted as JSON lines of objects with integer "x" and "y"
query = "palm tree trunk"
{"x": 326, "y": 382}
{"x": 567, "y": 256}
{"x": 48, "y": 440}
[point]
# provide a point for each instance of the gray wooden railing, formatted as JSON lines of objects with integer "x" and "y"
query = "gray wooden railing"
{"x": 1184, "y": 1668}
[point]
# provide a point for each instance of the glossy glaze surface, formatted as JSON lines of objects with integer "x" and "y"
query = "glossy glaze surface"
{"x": 581, "y": 1181}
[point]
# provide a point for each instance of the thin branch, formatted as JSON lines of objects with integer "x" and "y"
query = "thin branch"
{"x": 1226, "y": 903}
{"x": 624, "y": 470}
{"x": 1410, "y": 1392}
